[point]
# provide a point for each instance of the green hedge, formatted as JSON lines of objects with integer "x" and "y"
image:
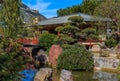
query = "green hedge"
{"x": 75, "y": 57}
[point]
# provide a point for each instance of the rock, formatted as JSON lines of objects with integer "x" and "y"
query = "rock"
{"x": 41, "y": 59}
{"x": 117, "y": 50}
{"x": 66, "y": 76}
{"x": 104, "y": 53}
{"x": 96, "y": 48}
{"x": 44, "y": 74}
{"x": 29, "y": 14}
{"x": 54, "y": 53}
{"x": 42, "y": 56}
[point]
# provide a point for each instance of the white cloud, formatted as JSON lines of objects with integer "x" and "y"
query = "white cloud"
{"x": 42, "y": 7}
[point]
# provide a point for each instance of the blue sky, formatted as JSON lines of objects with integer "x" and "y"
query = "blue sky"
{"x": 48, "y": 8}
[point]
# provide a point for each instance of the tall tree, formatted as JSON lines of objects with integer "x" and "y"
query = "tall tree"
{"x": 11, "y": 59}
{"x": 110, "y": 9}
{"x": 87, "y": 7}
{"x": 10, "y": 15}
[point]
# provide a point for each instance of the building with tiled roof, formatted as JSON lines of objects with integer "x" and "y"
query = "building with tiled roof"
{"x": 64, "y": 19}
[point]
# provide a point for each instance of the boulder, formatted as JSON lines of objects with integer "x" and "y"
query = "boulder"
{"x": 105, "y": 53}
{"x": 96, "y": 48}
{"x": 44, "y": 74}
{"x": 41, "y": 58}
{"x": 54, "y": 53}
{"x": 66, "y": 76}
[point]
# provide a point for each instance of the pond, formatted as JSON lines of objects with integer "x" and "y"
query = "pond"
{"x": 96, "y": 76}
{"x": 89, "y": 76}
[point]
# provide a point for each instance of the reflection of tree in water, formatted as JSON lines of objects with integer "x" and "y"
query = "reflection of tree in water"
{"x": 83, "y": 76}
{"x": 105, "y": 76}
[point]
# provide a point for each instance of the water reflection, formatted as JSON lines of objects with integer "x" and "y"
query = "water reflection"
{"x": 83, "y": 76}
{"x": 96, "y": 76}
{"x": 104, "y": 76}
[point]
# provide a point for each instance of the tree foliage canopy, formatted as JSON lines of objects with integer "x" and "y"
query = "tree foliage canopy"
{"x": 69, "y": 30}
{"x": 11, "y": 59}
{"x": 87, "y": 7}
{"x": 110, "y": 9}
{"x": 10, "y": 15}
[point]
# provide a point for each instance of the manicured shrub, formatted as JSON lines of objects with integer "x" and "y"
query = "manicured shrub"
{"x": 65, "y": 39}
{"x": 76, "y": 19}
{"x": 94, "y": 37}
{"x": 110, "y": 43}
{"x": 46, "y": 40}
{"x": 89, "y": 31}
{"x": 75, "y": 57}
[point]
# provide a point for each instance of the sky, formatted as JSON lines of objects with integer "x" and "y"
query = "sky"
{"x": 49, "y": 8}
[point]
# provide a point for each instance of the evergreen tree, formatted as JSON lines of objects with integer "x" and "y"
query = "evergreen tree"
{"x": 110, "y": 9}
{"x": 69, "y": 30}
{"x": 87, "y": 7}
{"x": 11, "y": 58}
{"x": 10, "y": 15}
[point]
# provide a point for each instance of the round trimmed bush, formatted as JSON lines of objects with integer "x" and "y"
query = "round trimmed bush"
{"x": 89, "y": 31}
{"x": 46, "y": 40}
{"x": 75, "y": 57}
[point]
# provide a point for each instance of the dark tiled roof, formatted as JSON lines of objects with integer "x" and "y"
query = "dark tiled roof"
{"x": 64, "y": 19}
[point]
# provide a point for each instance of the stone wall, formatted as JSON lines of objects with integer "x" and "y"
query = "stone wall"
{"x": 106, "y": 62}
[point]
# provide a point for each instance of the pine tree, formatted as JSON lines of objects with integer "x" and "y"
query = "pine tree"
{"x": 110, "y": 9}
{"x": 10, "y": 15}
{"x": 11, "y": 59}
{"x": 87, "y": 7}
